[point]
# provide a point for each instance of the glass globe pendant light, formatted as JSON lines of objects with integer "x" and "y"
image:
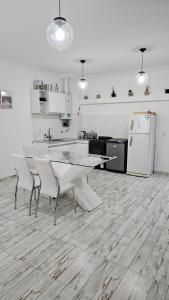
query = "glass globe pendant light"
{"x": 142, "y": 76}
{"x": 60, "y": 33}
{"x": 82, "y": 84}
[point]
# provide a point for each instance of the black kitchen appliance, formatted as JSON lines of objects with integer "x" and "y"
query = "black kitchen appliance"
{"x": 98, "y": 146}
{"x": 117, "y": 147}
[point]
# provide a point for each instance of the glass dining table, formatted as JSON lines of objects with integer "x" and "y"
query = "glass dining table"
{"x": 75, "y": 167}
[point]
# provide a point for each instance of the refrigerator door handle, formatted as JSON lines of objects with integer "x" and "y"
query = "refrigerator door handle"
{"x": 131, "y": 140}
{"x": 131, "y": 125}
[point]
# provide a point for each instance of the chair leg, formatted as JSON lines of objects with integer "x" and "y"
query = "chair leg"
{"x": 16, "y": 192}
{"x": 34, "y": 194}
{"x": 36, "y": 204}
{"x": 38, "y": 197}
{"x": 75, "y": 203}
{"x": 30, "y": 204}
{"x": 50, "y": 200}
{"x": 56, "y": 208}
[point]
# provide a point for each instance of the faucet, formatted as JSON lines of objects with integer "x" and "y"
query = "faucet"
{"x": 48, "y": 135}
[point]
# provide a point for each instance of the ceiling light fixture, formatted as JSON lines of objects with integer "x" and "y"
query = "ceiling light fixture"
{"x": 82, "y": 84}
{"x": 60, "y": 33}
{"x": 142, "y": 76}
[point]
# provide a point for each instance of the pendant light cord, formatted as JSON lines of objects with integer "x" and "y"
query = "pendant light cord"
{"x": 59, "y": 9}
{"x": 142, "y": 63}
{"x": 82, "y": 70}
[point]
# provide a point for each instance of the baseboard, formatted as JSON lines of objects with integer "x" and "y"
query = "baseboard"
{"x": 161, "y": 173}
{"x": 7, "y": 177}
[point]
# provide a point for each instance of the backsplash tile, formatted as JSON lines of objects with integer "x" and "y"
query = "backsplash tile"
{"x": 113, "y": 125}
{"x": 40, "y": 125}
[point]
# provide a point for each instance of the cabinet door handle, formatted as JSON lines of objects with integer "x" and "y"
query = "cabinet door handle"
{"x": 131, "y": 126}
{"x": 131, "y": 140}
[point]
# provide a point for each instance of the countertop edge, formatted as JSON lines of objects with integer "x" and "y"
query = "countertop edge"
{"x": 63, "y": 143}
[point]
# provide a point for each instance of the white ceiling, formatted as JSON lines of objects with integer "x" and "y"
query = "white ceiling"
{"x": 106, "y": 32}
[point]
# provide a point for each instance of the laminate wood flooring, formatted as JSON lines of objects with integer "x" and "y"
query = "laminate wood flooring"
{"x": 119, "y": 251}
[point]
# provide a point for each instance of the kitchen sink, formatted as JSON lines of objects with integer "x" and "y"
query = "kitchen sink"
{"x": 56, "y": 140}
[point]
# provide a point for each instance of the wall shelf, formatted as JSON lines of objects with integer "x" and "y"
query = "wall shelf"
{"x": 119, "y": 100}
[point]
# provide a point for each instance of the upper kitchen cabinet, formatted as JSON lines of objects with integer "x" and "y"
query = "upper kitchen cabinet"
{"x": 39, "y": 101}
{"x": 49, "y": 102}
{"x": 56, "y": 102}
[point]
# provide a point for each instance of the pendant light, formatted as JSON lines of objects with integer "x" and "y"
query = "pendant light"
{"x": 60, "y": 33}
{"x": 82, "y": 84}
{"x": 142, "y": 76}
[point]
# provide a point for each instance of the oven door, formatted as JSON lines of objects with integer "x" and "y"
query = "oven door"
{"x": 97, "y": 147}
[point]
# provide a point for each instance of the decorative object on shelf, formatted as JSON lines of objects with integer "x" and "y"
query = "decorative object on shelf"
{"x": 82, "y": 84}
{"x": 60, "y": 33}
{"x": 130, "y": 93}
{"x": 38, "y": 84}
{"x": 56, "y": 87}
{"x": 98, "y": 96}
{"x": 86, "y": 97}
{"x": 142, "y": 76}
{"x": 147, "y": 91}
{"x": 166, "y": 91}
{"x": 113, "y": 94}
{"x": 78, "y": 111}
{"x": 5, "y": 100}
{"x": 48, "y": 87}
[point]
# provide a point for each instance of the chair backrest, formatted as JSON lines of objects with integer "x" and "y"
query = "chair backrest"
{"x": 25, "y": 177}
{"x": 41, "y": 148}
{"x": 29, "y": 150}
{"x": 33, "y": 150}
{"x": 49, "y": 183}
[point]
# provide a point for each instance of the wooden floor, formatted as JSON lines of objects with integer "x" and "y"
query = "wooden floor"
{"x": 120, "y": 251}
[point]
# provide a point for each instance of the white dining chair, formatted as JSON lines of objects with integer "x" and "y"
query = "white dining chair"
{"x": 25, "y": 179}
{"x": 51, "y": 185}
{"x": 31, "y": 151}
{"x": 41, "y": 148}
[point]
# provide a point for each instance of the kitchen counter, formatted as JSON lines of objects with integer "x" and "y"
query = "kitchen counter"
{"x": 61, "y": 142}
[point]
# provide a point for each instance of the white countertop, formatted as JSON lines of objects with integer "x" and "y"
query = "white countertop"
{"x": 64, "y": 142}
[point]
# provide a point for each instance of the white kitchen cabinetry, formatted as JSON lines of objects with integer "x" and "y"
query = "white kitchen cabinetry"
{"x": 56, "y": 102}
{"x": 39, "y": 102}
{"x": 48, "y": 102}
{"x": 35, "y": 102}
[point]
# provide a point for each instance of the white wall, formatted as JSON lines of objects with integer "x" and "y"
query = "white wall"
{"x": 112, "y": 119}
{"x": 16, "y": 125}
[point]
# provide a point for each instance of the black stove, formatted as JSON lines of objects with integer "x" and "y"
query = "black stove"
{"x": 104, "y": 137}
{"x": 98, "y": 146}
{"x": 108, "y": 146}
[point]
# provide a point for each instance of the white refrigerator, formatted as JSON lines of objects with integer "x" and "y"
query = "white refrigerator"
{"x": 141, "y": 144}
